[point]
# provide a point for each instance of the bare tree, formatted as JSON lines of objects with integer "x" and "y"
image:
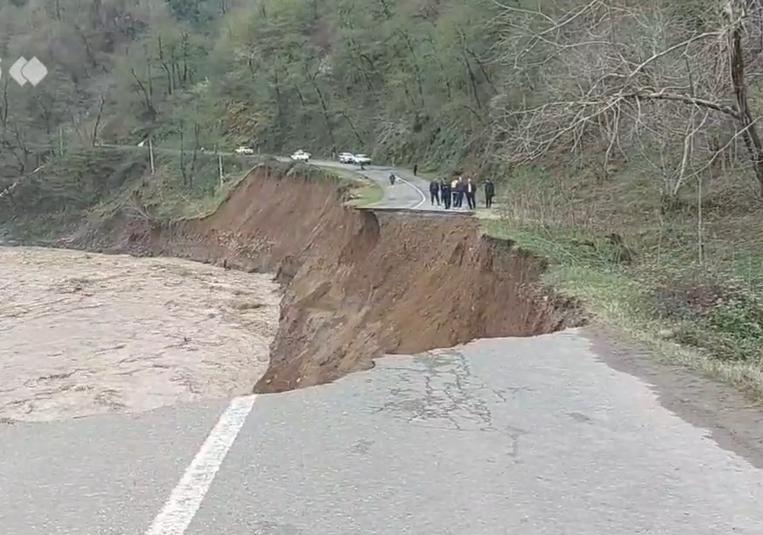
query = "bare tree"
{"x": 187, "y": 169}
{"x": 165, "y": 66}
{"x": 611, "y": 72}
{"x": 94, "y": 139}
{"x": 145, "y": 88}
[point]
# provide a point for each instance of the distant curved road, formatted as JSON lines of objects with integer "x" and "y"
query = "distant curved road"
{"x": 410, "y": 192}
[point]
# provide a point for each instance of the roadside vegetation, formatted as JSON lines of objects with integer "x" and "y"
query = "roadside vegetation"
{"x": 370, "y": 194}
{"x": 624, "y": 137}
{"x": 363, "y": 192}
{"x": 688, "y": 282}
{"x": 100, "y": 182}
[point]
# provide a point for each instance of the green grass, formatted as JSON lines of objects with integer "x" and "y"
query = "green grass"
{"x": 367, "y": 195}
{"x": 706, "y": 316}
{"x": 169, "y": 197}
{"x": 362, "y": 191}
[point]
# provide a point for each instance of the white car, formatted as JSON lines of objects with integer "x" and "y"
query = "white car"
{"x": 346, "y": 157}
{"x": 361, "y": 159}
{"x": 300, "y": 156}
{"x": 244, "y": 150}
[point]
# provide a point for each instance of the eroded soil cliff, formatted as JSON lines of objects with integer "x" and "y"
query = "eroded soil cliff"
{"x": 356, "y": 283}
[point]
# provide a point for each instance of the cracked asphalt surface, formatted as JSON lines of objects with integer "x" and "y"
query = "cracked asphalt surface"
{"x": 521, "y": 436}
{"x": 543, "y": 435}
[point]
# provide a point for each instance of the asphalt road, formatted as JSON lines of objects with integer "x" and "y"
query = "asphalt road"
{"x": 520, "y": 436}
{"x": 409, "y": 192}
{"x": 545, "y": 435}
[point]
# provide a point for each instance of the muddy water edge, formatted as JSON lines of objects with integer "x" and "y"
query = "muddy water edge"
{"x": 84, "y": 333}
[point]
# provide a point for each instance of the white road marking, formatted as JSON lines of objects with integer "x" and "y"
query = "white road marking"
{"x": 184, "y": 502}
{"x": 330, "y": 165}
{"x": 418, "y": 189}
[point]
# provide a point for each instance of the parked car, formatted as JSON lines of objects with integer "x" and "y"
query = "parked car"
{"x": 300, "y": 156}
{"x": 361, "y": 159}
{"x": 244, "y": 150}
{"x": 346, "y": 157}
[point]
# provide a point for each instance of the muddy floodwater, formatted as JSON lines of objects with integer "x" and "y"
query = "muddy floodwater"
{"x": 84, "y": 333}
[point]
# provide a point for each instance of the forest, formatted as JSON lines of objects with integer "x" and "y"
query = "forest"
{"x": 670, "y": 86}
{"x": 403, "y": 80}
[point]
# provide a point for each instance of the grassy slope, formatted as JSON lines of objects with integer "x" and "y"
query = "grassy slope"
{"x": 364, "y": 192}
{"x": 96, "y": 184}
{"x": 707, "y": 315}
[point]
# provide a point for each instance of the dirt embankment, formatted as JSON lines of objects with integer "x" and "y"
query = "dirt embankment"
{"x": 356, "y": 283}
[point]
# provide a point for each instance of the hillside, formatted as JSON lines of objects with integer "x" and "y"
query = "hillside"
{"x": 401, "y": 79}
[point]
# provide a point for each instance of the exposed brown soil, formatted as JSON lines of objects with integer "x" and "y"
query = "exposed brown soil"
{"x": 356, "y": 283}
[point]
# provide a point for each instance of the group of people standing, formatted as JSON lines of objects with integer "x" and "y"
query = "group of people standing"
{"x": 452, "y": 194}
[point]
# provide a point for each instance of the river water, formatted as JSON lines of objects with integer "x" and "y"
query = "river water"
{"x": 84, "y": 333}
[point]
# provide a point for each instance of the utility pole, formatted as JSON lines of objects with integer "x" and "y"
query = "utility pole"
{"x": 151, "y": 154}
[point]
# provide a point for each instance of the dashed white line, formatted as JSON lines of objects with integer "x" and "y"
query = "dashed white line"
{"x": 184, "y": 502}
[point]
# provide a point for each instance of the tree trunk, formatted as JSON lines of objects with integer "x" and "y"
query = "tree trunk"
{"x": 182, "y": 154}
{"x": 164, "y": 65}
{"x": 196, "y": 132}
{"x": 97, "y": 122}
{"x": 736, "y": 12}
{"x": 470, "y": 71}
{"x": 5, "y": 105}
{"x": 95, "y": 14}
{"x": 88, "y": 48}
{"x": 416, "y": 69}
{"x": 187, "y": 73}
{"x": 352, "y": 127}
{"x": 146, "y": 93}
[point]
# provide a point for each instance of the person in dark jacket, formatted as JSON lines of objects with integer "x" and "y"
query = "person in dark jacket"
{"x": 445, "y": 193}
{"x": 470, "y": 190}
{"x": 489, "y": 193}
{"x": 434, "y": 192}
{"x": 460, "y": 192}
